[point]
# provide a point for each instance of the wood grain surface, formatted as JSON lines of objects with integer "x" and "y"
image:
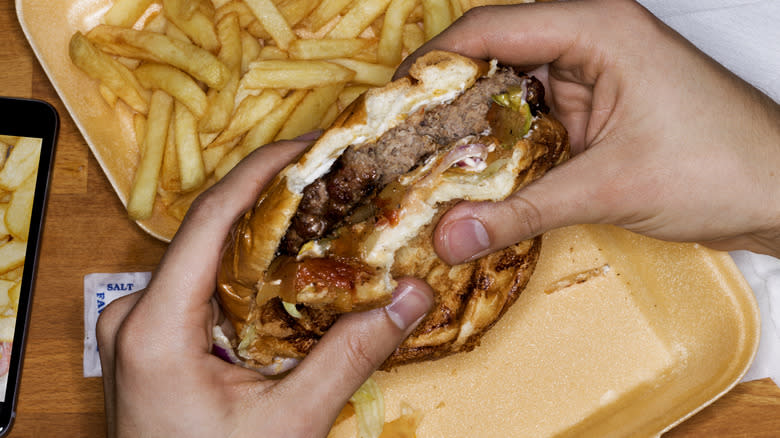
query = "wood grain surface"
{"x": 87, "y": 231}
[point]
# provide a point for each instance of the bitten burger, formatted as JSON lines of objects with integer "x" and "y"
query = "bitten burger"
{"x": 359, "y": 207}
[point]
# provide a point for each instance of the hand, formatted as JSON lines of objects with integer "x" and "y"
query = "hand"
{"x": 666, "y": 142}
{"x": 161, "y": 380}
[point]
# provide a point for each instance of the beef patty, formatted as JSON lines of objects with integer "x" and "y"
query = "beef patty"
{"x": 365, "y": 169}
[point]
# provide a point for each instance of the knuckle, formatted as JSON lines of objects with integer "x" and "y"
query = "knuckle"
{"x": 206, "y": 205}
{"x": 358, "y": 353}
{"x": 526, "y": 216}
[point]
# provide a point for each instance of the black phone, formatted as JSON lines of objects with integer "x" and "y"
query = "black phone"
{"x": 28, "y": 134}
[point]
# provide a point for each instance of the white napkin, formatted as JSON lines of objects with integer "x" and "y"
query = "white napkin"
{"x": 742, "y": 35}
{"x": 763, "y": 274}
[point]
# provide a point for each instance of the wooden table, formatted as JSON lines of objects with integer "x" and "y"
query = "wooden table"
{"x": 87, "y": 231}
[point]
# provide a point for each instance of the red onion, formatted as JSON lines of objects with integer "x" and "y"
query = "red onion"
{"x": 469, "y": 157}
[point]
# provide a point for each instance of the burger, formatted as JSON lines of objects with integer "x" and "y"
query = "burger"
{"x": 358, "y": 208}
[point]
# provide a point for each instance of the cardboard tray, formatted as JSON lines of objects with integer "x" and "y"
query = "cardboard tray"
{"x": 633, "y": 337}
{"x": 616, "y": 335}
{"x": 109, "y": 132}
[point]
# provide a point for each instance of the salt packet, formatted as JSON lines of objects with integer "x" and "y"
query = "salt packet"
{"x": 99, "y": 291}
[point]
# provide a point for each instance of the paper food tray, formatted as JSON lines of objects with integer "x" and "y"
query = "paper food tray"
{"x": 616, "y": 335}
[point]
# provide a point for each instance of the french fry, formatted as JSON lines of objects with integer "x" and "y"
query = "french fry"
{"x": 369, "y": 52}
{"x": 272, "y": 52}
{"x": 220, "y": 102}
{"x": 21, "y": 163}
{"x": 245, "y": 15}
{"x": 176, "y": 83}
{"x": 272, "y": 20}
{"x": 175, "y": 33}
{"x": 4, "y": 232}
{"x": 213, "y": 155}
{"x": 13, "y": 293}
{"x": 294, "y": 11}
{"x": 310, "y": 112}
{"x": 326, "y": 48}
{"x": 250, "y": 50}
{"x": 436, "y": 17}
{"x": 17, "y": 217}
{"x": 13, "y": 275}
{"x": 126, "y": 12}
{"x": 169, "y": 172}
{"x": 326, "y": 11}
{"x": 191, "y": 169}
{"x": 197, "y": 26}
{"x": 256, "y": 29}
{"x": 147, "y": 175}
{"x": 118, "y": 78}
{"x": 417, "y": 15}
{"x": 229, "y": 34}
{"x": 358, "y": 18}
{"x": 413, "y": 37}
{"x": 181, "y": 205}
{"x": 249, "y": 112}
{"x": 183, "y": 9}
{"x": 228, "y": 162}
{"x": 367, "y": 73}
{"x": 295, "y": 74}
{"x": 4, "y": 148}
{"x": 5, "y": 299}
{"x": 109, "y": 96}
{"x": 349, "y": 94}
{"x": 12, "y": 254}
{"x": 139, "y": 127}
{"x": 206, "y": 8}
{"x": 157, "y": 24}
{"x": 265, "y": 131}
{"x": 151, "y": 46}
{"x": 456, "y": 7}
{"x": 329, "y": 117}
{"x": 391, "y": 41}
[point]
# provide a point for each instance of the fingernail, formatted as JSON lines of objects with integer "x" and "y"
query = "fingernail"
{"x": 465, "y": 239}
{"x": 409, "y": 305}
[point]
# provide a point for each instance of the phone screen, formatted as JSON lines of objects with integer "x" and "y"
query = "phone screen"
{"x": 28, "y": 131}
{"x": 20, "y": 158}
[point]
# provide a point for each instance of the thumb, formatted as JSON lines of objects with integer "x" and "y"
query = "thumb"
{"x": 575, "y": 192}
{"x": 355, "y": 346}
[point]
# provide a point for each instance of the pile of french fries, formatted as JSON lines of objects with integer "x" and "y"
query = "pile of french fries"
{"x": 212, "y": 80}
{"x": 18, "y": 174}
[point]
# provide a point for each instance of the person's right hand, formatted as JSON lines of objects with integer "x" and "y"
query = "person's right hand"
{"x": 666, "y": 142}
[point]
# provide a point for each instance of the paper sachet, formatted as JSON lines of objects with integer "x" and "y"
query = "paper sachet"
{"x": 99, "y": 291}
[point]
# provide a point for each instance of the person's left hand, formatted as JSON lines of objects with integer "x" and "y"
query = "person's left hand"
{"x": 159, "y": 376}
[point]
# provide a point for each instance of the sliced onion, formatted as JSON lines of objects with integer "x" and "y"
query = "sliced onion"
{"x": 221, "y": 346}
{"x": 280, "y": 365}
{"x": 469, "y": 157}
